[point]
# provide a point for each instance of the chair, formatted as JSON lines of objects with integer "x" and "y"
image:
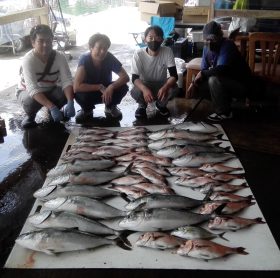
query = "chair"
{"x": 193, "y": 68}
{"x": 167, "y": 24}
{"x": 264, "y": 53}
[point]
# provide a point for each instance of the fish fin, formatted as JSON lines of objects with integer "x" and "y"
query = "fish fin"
{"x": 241, "y": 250}
{"x": 208, "y": 194}
{"x": 123, "y": 236}
{"x": 119, "y": 242}
{"x": 50, "y": 252}
{"x": 218, "y": 210}
{"x": 221, "y": 235}
{"x": 128, "y": 168}
{"x": 38, "y": 209}
{"x": 125, "y": 197}
{"x": 228, "y": 150}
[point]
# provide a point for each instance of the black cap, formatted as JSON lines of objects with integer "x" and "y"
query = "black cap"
{"x": 212, "y": 30}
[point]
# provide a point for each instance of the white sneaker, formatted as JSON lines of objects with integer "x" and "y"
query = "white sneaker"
{"x": 219, "y": 117}
{"x": 113, "y": 111}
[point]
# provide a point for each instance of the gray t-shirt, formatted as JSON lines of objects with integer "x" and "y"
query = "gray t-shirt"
{"x": 152, "y": 68}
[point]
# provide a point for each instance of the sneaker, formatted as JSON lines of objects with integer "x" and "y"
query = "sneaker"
{"x": 83, "y": 116}
{"x": 113, "y": 111}
{"x": 140, "y": 112}
{"x": 28, "y": 122}
{"x": 163, "y": 110}
{"x": 219, "y": 117}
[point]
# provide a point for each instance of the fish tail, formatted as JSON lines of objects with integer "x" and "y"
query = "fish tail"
{"x": 259, "y": 220}
{"x": 218, "y": 210}
{"x": 125, "y": 197}
{"x": 221, "y": 235}
{"x": 123, "y": 236}
{"x": 208, "y": 194}
{"x": 220, "y": 137}
{"x": 128, "y": 168}
{"x": 228, "y": 150}
{"x": 241, "y": 250}
{"x": 119, "y": 242}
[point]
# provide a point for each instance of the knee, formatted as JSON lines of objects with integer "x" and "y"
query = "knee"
{"x": 213, "y": 81}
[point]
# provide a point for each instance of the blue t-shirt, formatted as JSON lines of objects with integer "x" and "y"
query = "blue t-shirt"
{"x": 229, "y": 58}
{"x": 102, "y": 74}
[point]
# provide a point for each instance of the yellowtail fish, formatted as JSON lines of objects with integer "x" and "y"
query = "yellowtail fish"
{"x": 195, "y": 232}
{"x": 52, "y": 241}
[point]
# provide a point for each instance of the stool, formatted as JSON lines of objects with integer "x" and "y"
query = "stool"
{"x": 193, "y": 68}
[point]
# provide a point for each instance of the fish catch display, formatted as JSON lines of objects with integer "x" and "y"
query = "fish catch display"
{"x": 169, "y": 189}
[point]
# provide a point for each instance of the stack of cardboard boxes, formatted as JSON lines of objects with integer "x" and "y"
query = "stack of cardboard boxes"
{"x": 161, "y": 8}
{"x": 198, "y": 12}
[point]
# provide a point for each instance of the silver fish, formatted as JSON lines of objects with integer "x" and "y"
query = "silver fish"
{"x": 195, "y": 232}
{"x": 161, "y": 219}
{"x": 84, "y": 206}
{"x": 52, "y": 241}
{"x": 167, "y": 142}
{"x": 54, "y": 191}
{"x": 81, "y": 165}
{"x": 157, "y": 200}
{"x": 202, "y": 127}
{"x": 52, "y": 219}
{"x": 196, "y": 160}
{"x": 181, "y": 134}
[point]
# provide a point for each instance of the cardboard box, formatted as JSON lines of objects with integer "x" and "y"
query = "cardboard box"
{"x": 196, "y": 11}
{"x": 195, "y": 18}
{"x": 159, "y": 9}
{"x": 194, "y": 3}
{"x": 180, "y": 3}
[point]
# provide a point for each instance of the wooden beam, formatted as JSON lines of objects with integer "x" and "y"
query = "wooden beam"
{"x": 21, "y": 15}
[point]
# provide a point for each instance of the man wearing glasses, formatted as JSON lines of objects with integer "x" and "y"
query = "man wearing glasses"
{"x": 46, "y": 80}
{"x": 149, "y": 74}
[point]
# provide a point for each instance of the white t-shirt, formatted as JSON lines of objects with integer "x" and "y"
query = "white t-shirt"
{"x": 33, "y": 68}
{"x": 152, "y": 68}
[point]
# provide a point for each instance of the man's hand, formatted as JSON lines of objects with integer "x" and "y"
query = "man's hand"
{"x": 148, "y": 96}
{"x": 191, "y": 91}
{"x": 69, "y": 110}
{"x": 162, "y": 93}
{"x": 107, "y": 95}
{"x": 56, "y": 114}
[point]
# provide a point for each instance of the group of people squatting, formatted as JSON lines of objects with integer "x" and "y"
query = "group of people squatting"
{"x": 46, "y": 79}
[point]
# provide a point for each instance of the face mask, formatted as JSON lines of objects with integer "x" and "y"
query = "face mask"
{"x": 154, "y": 45}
